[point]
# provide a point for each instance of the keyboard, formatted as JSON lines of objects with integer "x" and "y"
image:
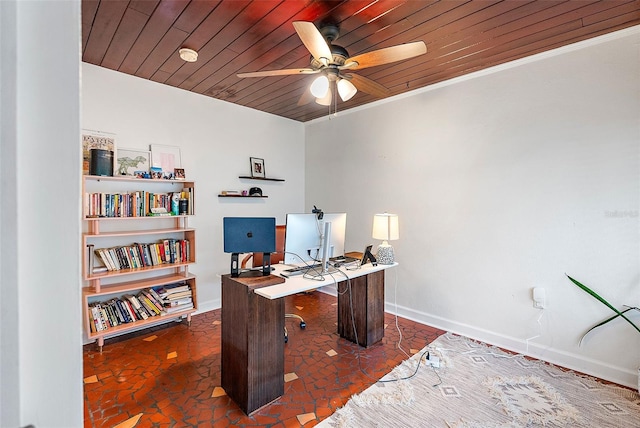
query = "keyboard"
{"x": 344, "y": 259}
{"x": 301, "y": 269}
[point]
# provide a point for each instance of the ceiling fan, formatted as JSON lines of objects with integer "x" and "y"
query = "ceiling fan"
{"x": 335, "y": 65}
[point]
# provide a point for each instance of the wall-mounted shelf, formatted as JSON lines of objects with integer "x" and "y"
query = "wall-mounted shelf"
{"x": 261, "y": 178}
{"x": 241, "y": 196}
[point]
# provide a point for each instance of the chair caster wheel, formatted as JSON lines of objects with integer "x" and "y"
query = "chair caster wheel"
{"x": 303, "y": 324}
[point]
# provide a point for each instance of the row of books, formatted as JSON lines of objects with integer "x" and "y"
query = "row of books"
{"x": 137, "y": 255}
{"x": 150, "y": 302}
{"x": 134, "y": 204}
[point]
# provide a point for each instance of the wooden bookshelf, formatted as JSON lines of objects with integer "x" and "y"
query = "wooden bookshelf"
{"x": 122, "y": 225}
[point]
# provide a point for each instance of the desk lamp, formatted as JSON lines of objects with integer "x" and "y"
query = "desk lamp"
{"x": 385, "y": 228}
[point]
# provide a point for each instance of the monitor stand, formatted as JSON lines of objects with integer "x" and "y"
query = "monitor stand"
{"x": 265, "y": 271}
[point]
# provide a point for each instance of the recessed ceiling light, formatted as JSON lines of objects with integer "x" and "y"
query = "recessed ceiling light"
{"x": 188, "y": 55}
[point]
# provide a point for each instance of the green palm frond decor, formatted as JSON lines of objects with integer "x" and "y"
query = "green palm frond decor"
{"x": 607, "y": 304}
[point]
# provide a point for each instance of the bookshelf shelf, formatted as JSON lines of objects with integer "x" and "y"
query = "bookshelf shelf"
{"x": 137, "y": 232}
{"x": 127, "y": 253}
{"x": 124, "y": 287}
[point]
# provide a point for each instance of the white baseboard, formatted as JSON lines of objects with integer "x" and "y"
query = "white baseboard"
{"x": 568, "y": 360}
{"x": 579, "y": 363}
{"x": 210, "y": 305}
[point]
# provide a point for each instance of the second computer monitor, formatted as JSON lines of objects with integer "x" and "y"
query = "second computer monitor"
{"x": 303, "y": 237}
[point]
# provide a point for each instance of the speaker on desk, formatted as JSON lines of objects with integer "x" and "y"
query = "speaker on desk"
{"x": 101, "y": 162}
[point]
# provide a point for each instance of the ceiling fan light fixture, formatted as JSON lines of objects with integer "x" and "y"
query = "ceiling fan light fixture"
{"x": 346, "y": 89}
{"x": 320, "y": 87}
{"x": 188, "y": 55}
{"x": 326, "y": 100}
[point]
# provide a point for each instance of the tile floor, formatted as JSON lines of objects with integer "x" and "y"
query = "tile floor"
{"x": 169, "y": 376}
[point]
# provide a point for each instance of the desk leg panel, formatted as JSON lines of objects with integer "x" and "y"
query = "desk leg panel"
{"x": 252, "y": 346}
{"x": 367, "y": 297}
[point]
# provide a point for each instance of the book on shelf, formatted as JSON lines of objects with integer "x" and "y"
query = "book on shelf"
{"x": 177, "y": 302}
{"x": 165, "y": 290}
{"x": 157, "y": 303}
{"x": 173, "y": 295}
{"x": 124, "y": 311}
{"x": 139, "y": 255}
{"x": 154, "y": 294}
{"x": 95, "y": 319}
{"x": 108, "y": 311}
{"x": 91, "y": 256}
{"x": 129, "y": 307}
{"x": 177, "y": 295}
{"x": 138, "y": 203}
{"x": 103, "y": 317}
{"x": 145, "y": 304}
{"x": 100, "y": 253}
{"x": 167, "y": 255}
{"x": 178, "y": 308}
{"x": 114, "y": 258}
{"x": 148, "y": 304}
{"x": 113, "y": 307}
{"x": 140, "y": 313}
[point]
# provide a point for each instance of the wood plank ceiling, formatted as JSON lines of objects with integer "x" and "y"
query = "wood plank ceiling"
{"x": 142, "y": 38}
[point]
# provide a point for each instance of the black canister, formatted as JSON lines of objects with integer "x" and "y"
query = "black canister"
{"x": 183, "y": 206}
{"x": 101, "y": 162}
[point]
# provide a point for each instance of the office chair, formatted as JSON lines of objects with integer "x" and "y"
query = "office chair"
{"x": 276, "y": 257}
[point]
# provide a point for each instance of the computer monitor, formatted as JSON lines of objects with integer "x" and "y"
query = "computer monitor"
{"x": 249, "y": 235}
{"x": 304, "y": 241}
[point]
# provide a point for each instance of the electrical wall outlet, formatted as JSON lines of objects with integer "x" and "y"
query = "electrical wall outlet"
{"x": 539, "y": 298}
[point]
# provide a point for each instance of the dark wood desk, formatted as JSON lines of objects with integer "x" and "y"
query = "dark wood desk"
{"x": 253, "y": 327}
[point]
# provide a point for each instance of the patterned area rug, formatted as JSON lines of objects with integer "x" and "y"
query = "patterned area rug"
{"x": 477, "y": 386}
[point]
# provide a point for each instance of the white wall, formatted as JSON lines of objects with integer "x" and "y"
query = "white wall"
{"x": 40, "y": 336}
{"x": 504, "y": 181}
{"x": 216, "y": 139}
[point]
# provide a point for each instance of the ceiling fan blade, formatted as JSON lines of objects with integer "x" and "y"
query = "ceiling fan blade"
{"x": 367, "y": 85}
{"x": 385, "y": 56}
{"x": 283, "y": 72}
{"x": 314, "y": 41}
{"x": 306, "y": 97}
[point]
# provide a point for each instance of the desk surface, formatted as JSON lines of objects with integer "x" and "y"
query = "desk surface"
{"x": 300, "y": 283}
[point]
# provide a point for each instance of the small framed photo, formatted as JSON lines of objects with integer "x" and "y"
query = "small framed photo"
{"x": 178, "y": 173}
{"x": 155, "y": 172}
{"x": 257, "y": 167}
{"x": 132, "y": 161}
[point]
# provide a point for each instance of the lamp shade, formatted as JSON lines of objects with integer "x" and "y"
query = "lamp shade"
{"x": 346, "y": 89}
{"x": 326, "y": 100}
{"x": 385, "y": 227}
{"x": 320, "y": 86}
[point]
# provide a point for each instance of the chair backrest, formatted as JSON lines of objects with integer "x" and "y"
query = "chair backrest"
{"x": 278, "y": 256}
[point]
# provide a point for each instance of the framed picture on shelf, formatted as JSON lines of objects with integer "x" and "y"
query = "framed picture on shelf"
{"x": 257, "y": 167}
{"x": 132, "y": 162}
{"x": 96, "y": 140}
{"x": 155, "y": 172}
{"x": 178, "y": 173}
{"x": 167, "y": 158}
